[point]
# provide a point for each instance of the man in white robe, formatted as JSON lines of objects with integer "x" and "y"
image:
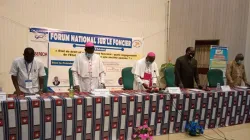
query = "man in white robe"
{"x": 145, "y": 73}
{"x": 88, "y": 70}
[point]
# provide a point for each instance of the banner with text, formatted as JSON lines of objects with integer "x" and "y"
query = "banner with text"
{"x": 219, "y": 58}
{"x": 57, "y": 50}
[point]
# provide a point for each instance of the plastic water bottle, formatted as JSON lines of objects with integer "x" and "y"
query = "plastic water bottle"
{"x": 218, "y": 86}
{"x": 71, "y": 92}
{"x": 140, "y": 87}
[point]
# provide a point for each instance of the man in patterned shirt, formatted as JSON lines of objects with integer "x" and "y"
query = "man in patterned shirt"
{"x": 235, "y": 73}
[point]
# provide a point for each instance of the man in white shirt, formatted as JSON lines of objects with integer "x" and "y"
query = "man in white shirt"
{"x": 27, "y": 74}
{"x": 145, "y": 72}
{"x": 88, "y": 70}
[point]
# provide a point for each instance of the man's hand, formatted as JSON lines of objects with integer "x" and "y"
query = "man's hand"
{"x": 18, "y": 92}
{"x": 154, "y": 85}
{"x": 40, "y": 92}
{"x": 231, "y": 84}
{"x": 181, "y": 86}
{"x": 145, "y": 86}
{"x": 77, "y": 88}
{"x": 103, "y": 86}
{"x": 200, "y": 87}
{"x": 247, "y": 84}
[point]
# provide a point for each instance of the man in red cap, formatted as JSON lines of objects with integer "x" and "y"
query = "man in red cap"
{"x": 88, "y": 70}
{"x": 145, "y": 72}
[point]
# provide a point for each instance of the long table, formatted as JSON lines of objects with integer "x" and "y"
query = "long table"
{"x": 85, "y": 117}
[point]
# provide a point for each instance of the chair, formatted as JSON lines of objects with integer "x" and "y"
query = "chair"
{"x": 169, "y": 76}
{"x": 45, "y": 83}
{"x": 215, "y": 76}
{"x": 127, "y": 78}
{"x": 70, "y": 78}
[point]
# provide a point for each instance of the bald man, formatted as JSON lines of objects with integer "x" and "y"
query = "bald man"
{"x": 235, "y": 72}
{"x": 88, "y": 70}
{"x": 186, "y": 70}
{"x": 145, "y": 72}
{"x": 27, "y": 74}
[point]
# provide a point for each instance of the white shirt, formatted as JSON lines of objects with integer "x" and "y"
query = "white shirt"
{"x": 19, "y": 69}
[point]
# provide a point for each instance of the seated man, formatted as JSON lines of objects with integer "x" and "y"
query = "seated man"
{"x": 27, "y": 74}
{"x": 145, "y": 72}
{"x": 235, "y": 72}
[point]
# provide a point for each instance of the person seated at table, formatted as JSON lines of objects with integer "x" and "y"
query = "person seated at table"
{"x": 186, "y": 70}
{"x": 145, "y": 72}
{"x": 88, "y": 70}
{"x": 27, "y": 74}
{"x": 235, "y": 72}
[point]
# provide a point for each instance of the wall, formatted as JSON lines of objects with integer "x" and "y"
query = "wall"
{"x": 247, "y": 56}
{"x": 208, "y": 19}
{"x": 129, "y": 18}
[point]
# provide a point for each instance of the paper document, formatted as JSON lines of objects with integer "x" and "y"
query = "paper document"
{"x": 196, "y": 90}
{"x": 3, "y": 96}
{"x": 101, "y": 95}
{"x": 33, "y": 96}
{"x": 243, "y": 87}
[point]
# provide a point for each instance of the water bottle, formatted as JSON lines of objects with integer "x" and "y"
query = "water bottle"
{"x": 71, "y": 92}
{"x": 218, "y": 86}
{"x": 140, "y": 87}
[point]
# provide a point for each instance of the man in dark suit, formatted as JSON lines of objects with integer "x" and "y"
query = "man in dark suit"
{"x": 186, "y": 70}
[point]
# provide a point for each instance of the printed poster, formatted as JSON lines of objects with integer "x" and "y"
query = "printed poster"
{"x": 62, "y": 47}
{"x": 219, "y": 58}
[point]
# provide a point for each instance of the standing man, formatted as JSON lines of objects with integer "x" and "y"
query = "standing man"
{"x": 145, "y": 72}
{"x": 88, "y": 70}
{"x": 27, "y": 74}
{"x": 235, "y": 72}
{"x": 186, "y": 70}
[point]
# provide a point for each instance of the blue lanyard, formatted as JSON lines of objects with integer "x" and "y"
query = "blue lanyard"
{"x": 28, "y": 72}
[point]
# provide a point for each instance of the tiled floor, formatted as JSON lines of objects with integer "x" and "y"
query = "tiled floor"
{"x": 238, "y": 132}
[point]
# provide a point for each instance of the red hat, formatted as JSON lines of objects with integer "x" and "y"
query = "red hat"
{"x": 89, "y": 45}
{"x": 151, "y": 54}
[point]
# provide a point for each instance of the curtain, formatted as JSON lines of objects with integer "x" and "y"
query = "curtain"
{"x": 202, "y": 53}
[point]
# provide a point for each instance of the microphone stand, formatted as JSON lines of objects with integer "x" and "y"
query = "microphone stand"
{"x": 160, "y": 89}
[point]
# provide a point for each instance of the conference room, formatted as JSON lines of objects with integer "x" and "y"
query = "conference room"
{"x": 108, "y": 70}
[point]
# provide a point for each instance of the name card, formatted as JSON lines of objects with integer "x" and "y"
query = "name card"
{"x": 33, "y": 96}
{"x": 173, "y": 90}
{"x": 226, "y": 88}
{"x": 243, "y": 87}
{"x": 3, "y": 96}
{"x": 100, "y": 92}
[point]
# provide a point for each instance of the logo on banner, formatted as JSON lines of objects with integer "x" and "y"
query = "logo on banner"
{"x": 137, "y": 43}
{"x": 219, "y": 52}
{"x": 39, "y": 37}
{"x": 41, "y": 54}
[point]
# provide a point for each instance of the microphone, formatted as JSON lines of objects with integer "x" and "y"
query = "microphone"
{"x": 158, "y": 81}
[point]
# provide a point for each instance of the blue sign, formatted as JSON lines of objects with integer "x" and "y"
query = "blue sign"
{"x": 61, "y": 63}
{"x": 82, "y": 38}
